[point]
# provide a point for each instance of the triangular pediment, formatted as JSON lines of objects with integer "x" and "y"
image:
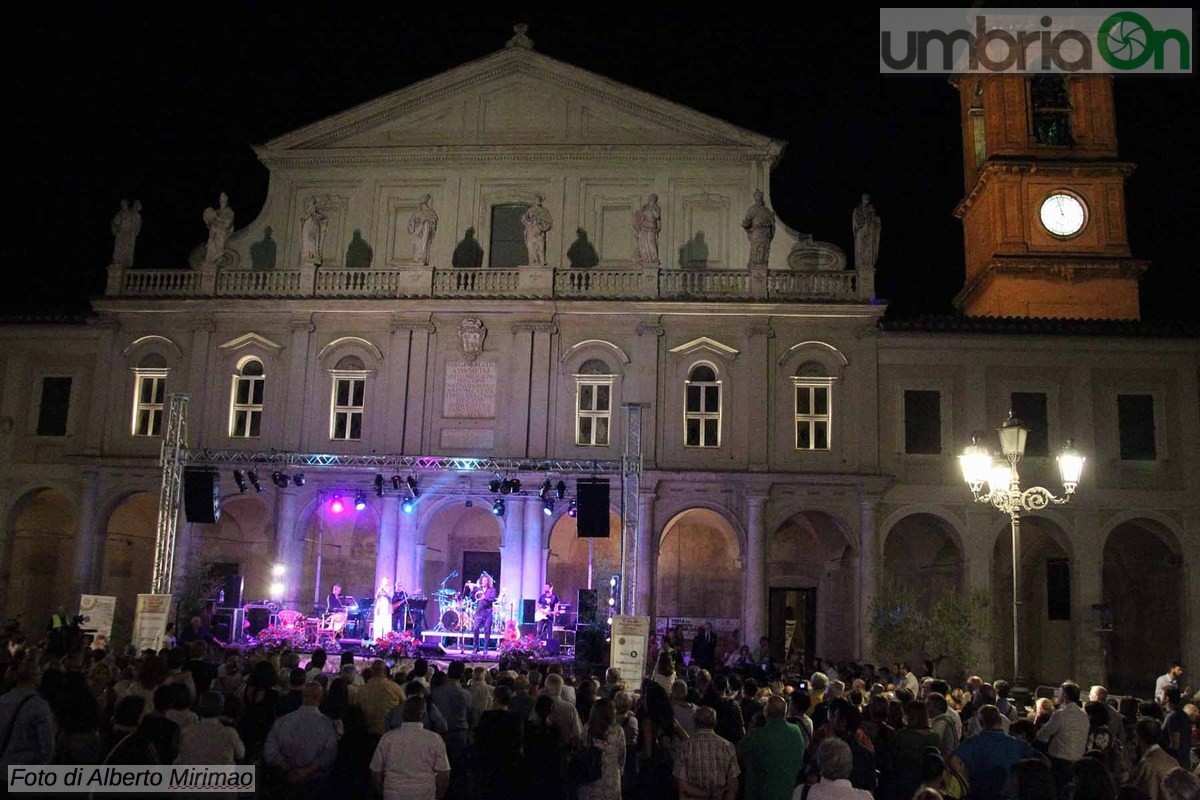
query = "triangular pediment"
{"x": 517, "y": 97}
{"x": 251, "y": 340}
{"x": 705, "y": 343}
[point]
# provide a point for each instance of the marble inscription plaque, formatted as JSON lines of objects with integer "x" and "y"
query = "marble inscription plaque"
{"x": 470, "y": 390}
{"x": 468, "y": 439}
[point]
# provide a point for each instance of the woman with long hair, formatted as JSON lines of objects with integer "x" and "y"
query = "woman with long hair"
{"x": 664, "y": 670}
{"x": 382, "y": 613}
{"x": 658, "y": 733}
{"x": 906, "y": 756}
{"x": 603, "y": 733}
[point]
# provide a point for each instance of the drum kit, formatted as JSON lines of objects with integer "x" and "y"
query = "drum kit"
{"x": 456, "y": 610}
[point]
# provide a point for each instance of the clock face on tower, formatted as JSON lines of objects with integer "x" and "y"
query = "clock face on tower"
{"x": 1063, "y": 214}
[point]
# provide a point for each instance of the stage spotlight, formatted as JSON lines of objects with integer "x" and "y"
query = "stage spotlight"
{"x": 515, "y": 485}
{"x": 253, "y": 476}
{"x": 546, "y": 489}
{"x": 360, "y": 501}
{"x": 505, "y": 486}
{"x": 494, "y": 484}
{"x": 379, "y": 486}
{"x": 239, "y": 478}
{"x": 470, "y": 503}
{"x": 548, "y": 507}
{"x": 397, "y": 482}
{"x": 572, "y": 510}
{"x": 277, "y": 570}
{"x": 280, "y": 479}
{"x": 336, "y": 505}
{"x": 298, "y": 479}
{"x": 560, "y": 489}
{"x": 412, "y": 487}
{"x": 498, "y": 507}
{"x": 408, "y": 505}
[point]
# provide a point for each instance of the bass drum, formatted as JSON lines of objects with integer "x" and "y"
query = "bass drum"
{"x": 451, "y": 619}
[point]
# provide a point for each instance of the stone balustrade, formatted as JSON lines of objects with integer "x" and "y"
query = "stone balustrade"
{"x": 528, "y": 282}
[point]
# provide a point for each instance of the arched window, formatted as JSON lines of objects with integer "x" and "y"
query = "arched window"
{"x": 246, "y": 400}
{"x": 593, "y": 403}
{"x": 814, "y": 411}
{"x": 702, "y": 408}
{"x": 149, "y": 394}
{"x": 349, "y": 399}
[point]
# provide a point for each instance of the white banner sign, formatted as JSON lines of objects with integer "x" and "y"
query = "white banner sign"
{"x": 150, "y": 621}
{"x": 630, "y": 636}
{"x": 97, "y": 611}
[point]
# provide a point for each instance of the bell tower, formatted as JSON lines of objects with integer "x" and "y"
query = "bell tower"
{"x": 1044, "y": 207}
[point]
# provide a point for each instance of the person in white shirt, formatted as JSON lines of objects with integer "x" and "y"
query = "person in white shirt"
{"x": 1067, "y": 732}
{"x": 481, "y": 695}
{"x": 835, "y": 760}
{"x": 410, "y": 762}
{"x": 1167, "y": 681}
{"x": 210, "y": 741}
{"x": 564, "y": 717}
{"x": 685, "y": 712}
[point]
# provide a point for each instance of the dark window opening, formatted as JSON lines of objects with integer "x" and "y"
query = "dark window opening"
{"x": 1050, "y": 109}
{"x": 1030, "y": 408}
{"x": 55, "y": 405}
{"x": 1135, "y": 421}
{"x": 508, "y": 236}
{"x": 1058, "y": 589}
{"x": 922, "y": 422}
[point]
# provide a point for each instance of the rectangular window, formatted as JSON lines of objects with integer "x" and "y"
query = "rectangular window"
{"x": 246, "y": 407}
{"x": 1135, "y": 421}
{"x": 702, "y": 415}
{"x": 813, "y": 415}
{"x": 150, "y": 391}
{"x": 593, "y": 413}
{"x": 54, "y": 407}
{"x": 349, "y": 394}
{"x": 922, "y": 422}
{"x": 507, "y": 245}
{"x": 1030, "y": 408}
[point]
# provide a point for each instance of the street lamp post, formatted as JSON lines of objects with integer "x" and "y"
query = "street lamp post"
{"x": 1004, "y": 493}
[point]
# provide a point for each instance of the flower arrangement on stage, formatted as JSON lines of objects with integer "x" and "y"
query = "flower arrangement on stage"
{"x": 277, "y": 638}
{"x": 397, "y": 645}
{"x": 525, "y": 647}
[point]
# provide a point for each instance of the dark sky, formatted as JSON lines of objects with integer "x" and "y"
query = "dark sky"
{"x": 163, "y": 105}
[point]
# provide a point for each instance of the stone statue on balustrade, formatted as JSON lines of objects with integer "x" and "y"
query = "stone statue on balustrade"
{"x": 220, "y": 225}
{"x": 125, "y": 227}
{"x": 647, "y": 222}
{"x": 867, "y": 229}
{"x": 759, "y": 223}
{"x": 537, "y": 222}
{"x": 313, "y": 224}
{"x": 423, "y": 226}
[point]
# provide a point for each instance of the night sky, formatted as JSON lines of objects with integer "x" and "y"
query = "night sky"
{"x": 163, "y": 105}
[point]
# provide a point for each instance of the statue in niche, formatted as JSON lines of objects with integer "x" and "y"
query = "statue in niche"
{"x": 867, "y": 227}
{"x": 759, "y": 223}
{"x": 313, "y": 224}
{"x": 220, "y": 225}
{"x": 647, "y": 222}
{"x": 423, "y": 225}
{"x": 472, "y": 333}
{"x": 537, "y": 222}
{"x": 358, "y": 253}
{"x": 262, "y": 254}
{"x": 125, "y": 227}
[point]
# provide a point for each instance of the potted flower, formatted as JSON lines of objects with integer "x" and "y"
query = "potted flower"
{"x": 395, "y": 645}
{"x": 277, "y": 638}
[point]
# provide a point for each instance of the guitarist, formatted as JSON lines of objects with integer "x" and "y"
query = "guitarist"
{"x": 544, "y": 616}
{"x": 399, "y": 599}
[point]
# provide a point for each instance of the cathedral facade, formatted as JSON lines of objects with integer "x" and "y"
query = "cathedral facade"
{"x": 521, "y": 261}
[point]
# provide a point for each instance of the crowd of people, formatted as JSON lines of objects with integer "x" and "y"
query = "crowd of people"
{"x": 318, "y": 726}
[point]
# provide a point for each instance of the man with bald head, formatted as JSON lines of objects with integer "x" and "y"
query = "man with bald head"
{"x": 772, "y": 755}
{"x": 705, "y": 764}
{"x": 987, "y": 759}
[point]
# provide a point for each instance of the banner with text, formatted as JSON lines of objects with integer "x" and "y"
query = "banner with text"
{"x": 630, "y": 636}
{"x": 98, "y": 611}
{"x": 150, "y": 620}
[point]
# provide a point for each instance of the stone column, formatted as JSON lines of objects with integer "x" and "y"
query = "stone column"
{"x": 643, "y": 564}
{"x": 409, "y": 554}
{"x": 754, "y": 588}
{"x": 89, "y": 539}
{"x": 289, "y": 545}
{"x": 868, "y": 557}
{"x": 512, "y": 550}
{"x": 534, "y": 554}
{"x": 1087, "y": 585}
{"x": 385, "y": 551}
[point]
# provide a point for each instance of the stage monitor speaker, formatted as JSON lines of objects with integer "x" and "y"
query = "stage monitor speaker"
{"x": 231, "y": 592}
{"x": 591, "y": 501}
{"x": 259, "y": 617}
{"x": 227, "y": 625}
{"x": 552, "y": 647}
{"x": 528, "y": 610}
{"x": 588, "y": 614}
{"x": 528, "y": 628}
{"x": 201, "y": 494}
{"x": 427, "y": 651}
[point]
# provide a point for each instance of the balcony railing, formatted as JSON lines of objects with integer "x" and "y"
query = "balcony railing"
{"x": 524, "y": 282}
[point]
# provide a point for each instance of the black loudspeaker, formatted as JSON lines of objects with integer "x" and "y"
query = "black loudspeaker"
{"x": 591, "y": 501}
{"x": 587, "y": 607}
{"x": 528, "y": 628}
{"x": 227, "y": 625}
{"x": 201, "y": 494}
{"x": 590, "y": 647}
{"x": 428, "y": 651}
{"x": 552, "y": 647}
{"x": 231, "y": 592}
{"x": 528, "y": 610}
{"x": 258, "y": 618}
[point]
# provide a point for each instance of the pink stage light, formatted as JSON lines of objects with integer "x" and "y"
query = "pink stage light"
{"x": 336, "y": 505}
